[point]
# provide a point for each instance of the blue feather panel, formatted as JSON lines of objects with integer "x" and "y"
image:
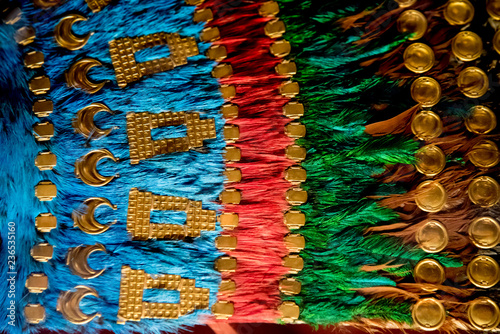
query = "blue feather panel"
{"x": 196, "y": 174}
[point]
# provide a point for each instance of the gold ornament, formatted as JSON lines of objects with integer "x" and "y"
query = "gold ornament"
{"x": 141, "y": 203}
{"x": 473, "y": 82}
{"x": 294, "y": 219}
{"x": 430, "y": 160}
{"x": 141, "y": 144}
{"x": 458, "y": 12}
{"x": 269, "y": 9}
{"x": 97, "y": 5}
{"x": 83, "y": 216}
{"x": 483, "y": 314}
{"x": 431, "y": 196}
{"x": 133, "y": 308}
{"x": 127, "y": 70}
{"x": 484, "y": 154}
{"x": 64, "y": 35}
{"x": 496, "y": 41}
{"x": 429, "y": 271}
{"x": 481, "y": 120}
{"x": 289, "y": 312}
{"x": 86, "y": 168}
{"x": 68, "y": 304}
{"x": 45, "y": 191}
{"x": 228, "y": 220}
{"x": 84, "y": 122}
{"x": 484, "y": 191}
{"x": 295, "y": 153}
{"x": 76, "y": 76}
{"x": 428, "y": 314}
{"x": 290, "y": 286}
{"x": 405, "y": 3}
{"x": 484, "y": 232}
{"x": 467, "y": 46}
{"x": 77, "y": 260}
{"x": 426, "y": 91}
{"x": 223, "y": 309}
{"x": 418, "y": 58}
{"x": 483, "y": 272}
{"x": 427, "y": 125}
{"x": 493, "y": 8}
{"x": 432, "y": 237}
{"x": 414, "y": 22}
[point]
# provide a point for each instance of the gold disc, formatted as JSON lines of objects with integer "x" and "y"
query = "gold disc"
{"x": 412, "y": 21}
{"x": 431, "y": 196}
{"x": 428, "y": 314}
{"x": 484, "y": 232}
{"x": 493, "y": 8}
{"x": 426, "y": 125}
{"x": 484, "y": 154}
{"x": 405, "y": 3}
{"x": 429, "y": 271}
{"x": 430, "y": 160}
{"x": 467, "y": 46}
{"x": 483, "y": 272}
{"x": 418, "y": 58}
{"x": 481, "y": 120}
{"x": 458, "y": 12}
{"x": 483, "y": 313}
{"x": 426, "y": 91}
{"x": 473, "y": 82}
{"x": 484, "y": 191}
{"x": 432, "y": 237}
{"x": 496, "y": 41}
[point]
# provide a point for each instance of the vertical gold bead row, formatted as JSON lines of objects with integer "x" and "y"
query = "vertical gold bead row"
{"x": 45, "y": 161}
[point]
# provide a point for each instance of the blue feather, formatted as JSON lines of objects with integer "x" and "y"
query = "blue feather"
{"x": 195, "y": 175}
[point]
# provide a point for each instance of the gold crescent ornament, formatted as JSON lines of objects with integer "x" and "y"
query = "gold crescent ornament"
{"x": 77, "y": 260}
{"x": 64, "y": 35}
{"x": 68, "y": 304}
{"x": 84, "y": 121}
{"x": 86, "y": 168}
{"x": 83, "y": 216}
{"x": 76, "y": 76}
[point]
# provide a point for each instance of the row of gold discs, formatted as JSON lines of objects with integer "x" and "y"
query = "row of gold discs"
{"x": 39, "y": 85}
{"x": 44, "y": 161}
{"x": 274, "y": 29}
{"x": 288, "y": 310}
{"x": 433, "y": 236}
{"x": 224, "y": 309}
